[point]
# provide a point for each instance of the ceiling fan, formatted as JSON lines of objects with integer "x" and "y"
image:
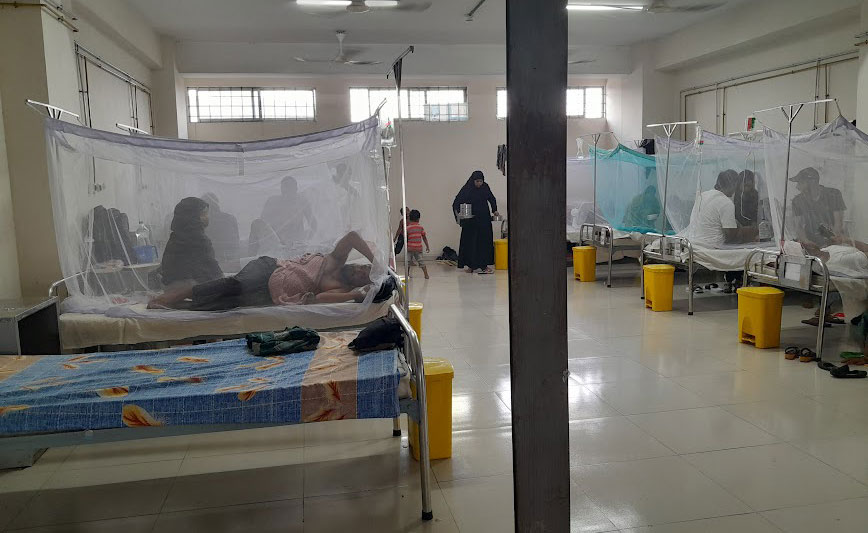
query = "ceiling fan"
{"x": 344, "y": 57}
{"x": 338, "y": 7}
{"x": 656, "y": 6}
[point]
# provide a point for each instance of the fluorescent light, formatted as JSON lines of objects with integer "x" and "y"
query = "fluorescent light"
{"x": 590, "y": 7}
{"x": 327, "y": 3}
{"x": 345, "y": 3}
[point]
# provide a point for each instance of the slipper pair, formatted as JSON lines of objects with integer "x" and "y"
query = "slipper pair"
{"x": 842, "y": 372}
{"x": 805, "y": 355}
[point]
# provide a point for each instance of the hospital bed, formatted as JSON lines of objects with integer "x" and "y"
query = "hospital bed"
{"x": 65, "y": 400}
{"x": 681, "y": 251}
{"x": 131, "y": 323}
{"x": 607, "y": 238}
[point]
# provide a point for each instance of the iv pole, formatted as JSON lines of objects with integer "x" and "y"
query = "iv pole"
{"x": 669, "y": 128}
{"x": 791, "y": 111}
{"x": 398, "y": 140}
{"x": 596, "y": 138}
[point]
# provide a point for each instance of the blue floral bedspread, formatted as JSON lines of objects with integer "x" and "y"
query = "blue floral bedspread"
{"x": 217, "y": 383}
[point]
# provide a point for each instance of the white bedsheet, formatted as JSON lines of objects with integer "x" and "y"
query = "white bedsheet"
{"x": 721, "y": 259}
{"x": 83, "y": 330}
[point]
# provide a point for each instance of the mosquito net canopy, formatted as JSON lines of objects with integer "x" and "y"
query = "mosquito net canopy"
{"x": 716, "y": 192}
{"x": 627, "y": 192}
{"x": 580, "y": 195}
{"x": 822, "y": 201}
{"x": 190, "y": 227}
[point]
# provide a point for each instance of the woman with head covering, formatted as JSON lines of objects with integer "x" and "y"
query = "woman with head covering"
{"x": 189, "y": 255}
{"x": 476, "y": 249}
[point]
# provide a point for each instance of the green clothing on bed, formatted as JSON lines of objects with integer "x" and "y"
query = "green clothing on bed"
{"x": 290, "y": 340}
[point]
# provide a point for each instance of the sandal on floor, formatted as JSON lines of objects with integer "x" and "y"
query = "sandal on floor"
{"x": 791, "y": 353}
{"x": 486, "y": 271}
{"x": 824, "y": 365}
{"x": 697, "y": 290}
{"x": 815, "y": 322}
{"x": 836, "y": 320}
{"x": 711, "y": 286}
{"x": 844, "y": 372}
{"x": 806, "y": 355}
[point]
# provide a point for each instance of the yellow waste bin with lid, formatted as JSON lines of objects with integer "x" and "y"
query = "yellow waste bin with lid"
{"x": 501, "y": 254}
{"x": 759, "y": 316}
{"x": 438, "y": 389}
{"x": 416, "y": 318}
{"x": 659, "y": 280}
{"x": 585, "y": 263}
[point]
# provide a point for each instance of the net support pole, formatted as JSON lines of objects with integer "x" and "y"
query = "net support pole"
{"x": 668, "y": 128}
{"x": 596, "y": 138}
{"x": 790, "y": 112}
{"x": 536, "y": 126}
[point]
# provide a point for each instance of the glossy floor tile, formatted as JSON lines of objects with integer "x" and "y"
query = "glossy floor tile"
{"x": 674, "y": 427}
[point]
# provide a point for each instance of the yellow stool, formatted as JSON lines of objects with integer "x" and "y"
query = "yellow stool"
{"x": 501, "y": 254}
{"x": 658, "y": 286}
{"x": 416, "y": 318}
{"x": 438, "y": 388}
{"x": 585, "y": 263}
{"x": 759, "y": 316}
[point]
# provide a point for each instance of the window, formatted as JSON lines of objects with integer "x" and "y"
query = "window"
{"x": 432, "y": 104}
{"x": 582, "y": 102}
{"x": 243, "y": 104}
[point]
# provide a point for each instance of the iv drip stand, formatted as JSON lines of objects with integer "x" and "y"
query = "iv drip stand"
{"x": 669, "y": 128}
{"x": 596, "y": 138}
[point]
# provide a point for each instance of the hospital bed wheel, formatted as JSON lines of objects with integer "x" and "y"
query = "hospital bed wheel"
{"x": 427, "y": 515}
{"x": 396, "y": 432}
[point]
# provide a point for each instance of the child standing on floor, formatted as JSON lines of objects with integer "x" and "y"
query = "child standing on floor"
{"x": 415, "y": 237}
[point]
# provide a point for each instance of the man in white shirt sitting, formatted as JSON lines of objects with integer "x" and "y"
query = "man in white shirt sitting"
{"x": 712, "y": 220}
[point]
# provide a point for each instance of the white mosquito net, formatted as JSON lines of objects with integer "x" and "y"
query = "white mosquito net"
{"x": 825, "y": 196}
{"x": 129, "y": 213}
{"x": 580, "y": 195}
{"x": 716, "y": 193}
{"x": 627, "y": 193}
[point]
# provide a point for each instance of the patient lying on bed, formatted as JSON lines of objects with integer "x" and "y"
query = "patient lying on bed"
{"x": 312, "y": 278}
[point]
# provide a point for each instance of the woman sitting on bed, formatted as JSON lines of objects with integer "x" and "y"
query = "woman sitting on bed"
{"x": 189, "y": 254}
{"x": 312, "y": 278}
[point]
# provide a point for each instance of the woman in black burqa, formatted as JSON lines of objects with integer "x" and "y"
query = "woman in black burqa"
{"x": 189, "y": 254}
{"x": 476, "y": 249}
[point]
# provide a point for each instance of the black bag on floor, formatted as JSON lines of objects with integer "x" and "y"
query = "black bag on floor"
{"x": 448, "y": 254}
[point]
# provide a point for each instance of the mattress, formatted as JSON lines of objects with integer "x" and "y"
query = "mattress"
{"x": 217, "y": 383}
{"x": 138, "y": 324}
{"x": 721, "y": 259}
{"x": 626, "y": 244}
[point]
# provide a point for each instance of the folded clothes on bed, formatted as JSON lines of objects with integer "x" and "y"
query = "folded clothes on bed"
{"x": 290, "y": 340}
{"x": 382, "y": 334}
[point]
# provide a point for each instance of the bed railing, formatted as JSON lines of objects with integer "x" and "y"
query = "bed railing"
{"x": 603, "y": 236}
{"x": 417, "y": 366}
{"x": 796, "y": 272}
{"x": 672, "y": 248}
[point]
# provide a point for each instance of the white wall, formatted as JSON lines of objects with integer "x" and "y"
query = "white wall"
{"x": 9, "y": 283}
{"x": 439, "y": 156}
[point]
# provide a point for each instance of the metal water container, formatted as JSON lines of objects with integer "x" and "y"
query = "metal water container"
{"x": 465, "y": 211}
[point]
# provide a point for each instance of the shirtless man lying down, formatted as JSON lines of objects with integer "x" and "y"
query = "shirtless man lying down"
{"x": 312, "y": 278}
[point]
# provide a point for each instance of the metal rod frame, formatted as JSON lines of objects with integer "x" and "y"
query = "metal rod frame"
{"x": 132, "y": 130}
{"x": 778, "y": 279}
{"x": 51, "y": 110}
{"x": 665, "y": 257}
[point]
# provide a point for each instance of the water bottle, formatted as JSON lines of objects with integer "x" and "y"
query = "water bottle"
{"x": 143, "y": 235}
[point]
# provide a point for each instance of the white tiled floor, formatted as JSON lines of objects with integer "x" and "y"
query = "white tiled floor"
{"x": 674, "y": 428}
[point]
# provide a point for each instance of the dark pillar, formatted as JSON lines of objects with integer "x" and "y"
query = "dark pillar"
{"x": 536, "y": 125}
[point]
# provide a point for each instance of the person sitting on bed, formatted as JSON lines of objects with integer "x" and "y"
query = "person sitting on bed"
{"x": 712, "y": 220}
{"x": 815, "y": 207}
{"x": 189, "y": 254}
{"x": 312, "y": 278}
{"x": 746, "y": 200}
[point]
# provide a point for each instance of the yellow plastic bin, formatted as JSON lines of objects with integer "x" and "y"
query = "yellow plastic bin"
{"x": 759, "y": 316}
{"x": 658, "y": 286}
{"x": 585, "y": 263}
{"x": 501, "y": 254}
{"x": 438, "y": 386}
{"x": 416, "y": 318}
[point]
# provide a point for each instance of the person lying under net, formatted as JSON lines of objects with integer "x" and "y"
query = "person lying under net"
{"x": 266, "y": 281}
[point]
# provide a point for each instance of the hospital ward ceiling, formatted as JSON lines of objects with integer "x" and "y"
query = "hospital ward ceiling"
{"x": 263, "y": 36}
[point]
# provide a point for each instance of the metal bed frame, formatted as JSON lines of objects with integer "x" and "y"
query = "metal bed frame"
{"x": 795, "y": 272}
{"x": 671, "y": 248}
{"x": 24, "y": 450}
{"x": 602, "y": 236}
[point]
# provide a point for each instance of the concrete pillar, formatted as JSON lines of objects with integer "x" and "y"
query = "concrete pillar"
{"x": 10, "y": 286}
{"x": 862, "y": 79}
{"x": 169, "y": 95}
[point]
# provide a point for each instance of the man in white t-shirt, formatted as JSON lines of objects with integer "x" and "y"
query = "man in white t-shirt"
{"x": 712, "y": 221}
